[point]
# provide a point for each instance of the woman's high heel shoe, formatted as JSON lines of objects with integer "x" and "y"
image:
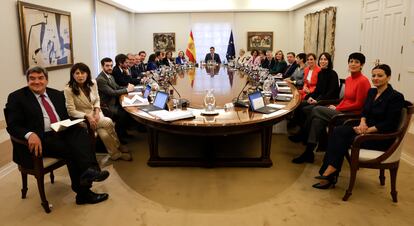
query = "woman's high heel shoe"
{"x": 332, "y": 179}
{"x": 323, "y": 186}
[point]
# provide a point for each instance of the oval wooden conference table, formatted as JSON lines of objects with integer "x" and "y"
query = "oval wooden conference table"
{"x": 227, "y": 84}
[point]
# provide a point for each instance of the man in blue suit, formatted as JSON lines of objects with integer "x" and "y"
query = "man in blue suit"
{"x": 212, "y": 56}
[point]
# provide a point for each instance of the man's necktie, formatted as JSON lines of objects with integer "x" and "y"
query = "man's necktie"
{"x": 48, "y": 109}
{"x": 111, "y": 81}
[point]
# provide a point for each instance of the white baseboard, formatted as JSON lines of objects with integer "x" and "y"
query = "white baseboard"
{"x": 8, "y": 168}
{"x": 407, "y": 158}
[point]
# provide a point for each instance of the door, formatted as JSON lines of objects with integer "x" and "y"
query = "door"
{"x": 383, "y": 32}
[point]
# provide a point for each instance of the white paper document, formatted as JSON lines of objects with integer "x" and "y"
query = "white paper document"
{"x": 281, "y": 83}
{"x": 284, "y": 89}
{"x": 136, "y": 100}
{"x": 62, "y": 125}
{"x": 285, "y": 94}
{"x": 171, "y": 115}
{"x": 277, "y": 106}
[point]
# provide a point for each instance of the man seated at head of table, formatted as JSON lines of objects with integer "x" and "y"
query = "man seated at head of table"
{"x": 212, "y": 56}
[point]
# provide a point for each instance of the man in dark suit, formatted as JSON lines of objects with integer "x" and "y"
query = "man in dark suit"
{"x": 141, "y": 66}
{"x": 292, "y": 65}
{"x": 136, "y": 71}
{"x": 109, "y": 92}
{"x": 212, "y": 56}
{"x": 121, "y": 71}
{"x": 269, "y": 61}
{"x": 32, "y": 109}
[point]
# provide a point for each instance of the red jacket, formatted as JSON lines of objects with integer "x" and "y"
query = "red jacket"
{"x": 312, "y": 84}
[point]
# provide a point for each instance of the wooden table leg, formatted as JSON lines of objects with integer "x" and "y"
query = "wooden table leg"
{"x": 153, "y": 145}
{"x": 266, "y": 137}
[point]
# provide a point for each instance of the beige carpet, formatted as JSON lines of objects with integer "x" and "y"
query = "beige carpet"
{"x": 185, "y": 196}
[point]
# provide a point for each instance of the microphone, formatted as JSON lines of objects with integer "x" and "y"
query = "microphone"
{"x": 241, "y": 103}
{"x": 181, "y": 101}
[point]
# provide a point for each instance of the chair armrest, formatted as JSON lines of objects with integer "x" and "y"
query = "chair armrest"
{"x": 356, "y": 146}
{"x": 374, "y": 136}
{"x": 341, "y": 118}
{"x": 19, "y": 141}
{"x": 37, "y": 160}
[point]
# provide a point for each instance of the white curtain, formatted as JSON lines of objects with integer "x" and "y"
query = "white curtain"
{"x": 106, "y": 31}
{"x": 211, "y": 31}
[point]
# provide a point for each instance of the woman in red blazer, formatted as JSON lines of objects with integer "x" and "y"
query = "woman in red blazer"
{"x": 310, "y": 75}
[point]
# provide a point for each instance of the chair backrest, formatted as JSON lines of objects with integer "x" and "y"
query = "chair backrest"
{"x": 341, "y": 88}
{"x": 405, "y": 120}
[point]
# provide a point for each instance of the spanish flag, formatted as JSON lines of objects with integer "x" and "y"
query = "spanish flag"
{"x": 191, "y": 51}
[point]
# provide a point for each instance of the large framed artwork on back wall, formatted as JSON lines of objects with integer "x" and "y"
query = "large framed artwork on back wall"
{"x": 262, "y": 40}
{"x": 46, "y": 36}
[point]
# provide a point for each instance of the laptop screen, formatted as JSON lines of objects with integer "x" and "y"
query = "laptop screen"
{"x": 160, "y": 99}
{"x": 256, "y": 100}
{"x": 147, "y": 91}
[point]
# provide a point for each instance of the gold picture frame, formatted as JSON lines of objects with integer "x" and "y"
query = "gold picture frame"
{"x": 46, "y": 36}
{"x": 260, "y": 40}
{"x": 164, "y": 41}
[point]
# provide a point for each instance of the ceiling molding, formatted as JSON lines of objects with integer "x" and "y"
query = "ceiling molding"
{"x": 232, "y": 6}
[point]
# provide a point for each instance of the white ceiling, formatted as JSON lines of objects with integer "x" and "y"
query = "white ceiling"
{"x": 172, "y": 6}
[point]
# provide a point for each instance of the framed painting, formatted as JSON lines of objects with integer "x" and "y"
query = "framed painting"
{"x": 164, "y": 41}
{"x": 46, "y": 37}
{"x": 260, "y": 40}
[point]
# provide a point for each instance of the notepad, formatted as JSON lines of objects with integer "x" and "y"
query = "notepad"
{"x": 169, "y": 116}
{"x": 64, "y": 124}
{"x": 136, "y": 100}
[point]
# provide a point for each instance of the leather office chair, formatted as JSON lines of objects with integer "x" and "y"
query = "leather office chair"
{"x": 365, "y": 158}
{"x": 39, "y": 167}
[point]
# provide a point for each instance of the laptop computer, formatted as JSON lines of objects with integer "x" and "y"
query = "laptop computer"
{"x": 257, "y": 103}
{"x": 159, "y": 102}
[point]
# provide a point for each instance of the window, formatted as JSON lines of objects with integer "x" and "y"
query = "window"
{"x": 207, "y": 35}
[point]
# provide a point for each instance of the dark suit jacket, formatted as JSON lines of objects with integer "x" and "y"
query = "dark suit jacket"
{"x": 25, "y": 115}
{"x": 122, "y": 78}
{"x": 216, "y": 58}
{"x": 109, "y": 93}
{"x": 152, "y": 65}
{"x": 289, "y": 70}
{"x": 268, "y": 64}
{"x": 180, "y": 61}
{"x": 384, "y": 112}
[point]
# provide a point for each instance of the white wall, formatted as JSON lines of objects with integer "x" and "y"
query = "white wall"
{"x": 180, "y": 23}
{"x": 347, "y": 32}
{"x": 10, "y": 59}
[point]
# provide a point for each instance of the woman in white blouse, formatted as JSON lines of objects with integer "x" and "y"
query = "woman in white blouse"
{"x": 241, "y": 59}
{"x": 82, "y": 101}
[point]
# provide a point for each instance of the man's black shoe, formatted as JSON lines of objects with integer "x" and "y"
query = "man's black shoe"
{"x": 90, "y": 198}
{"x": 123, "y": 141}
{"x": 91, "y": 175}
{"x": 304, "y": 157}
{"x": 296, "y": 138}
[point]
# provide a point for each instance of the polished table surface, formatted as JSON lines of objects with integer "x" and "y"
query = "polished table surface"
{"x": 227, "y": 84}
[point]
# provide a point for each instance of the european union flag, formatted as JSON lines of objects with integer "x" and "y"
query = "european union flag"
{"x": 231, "y": 52}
